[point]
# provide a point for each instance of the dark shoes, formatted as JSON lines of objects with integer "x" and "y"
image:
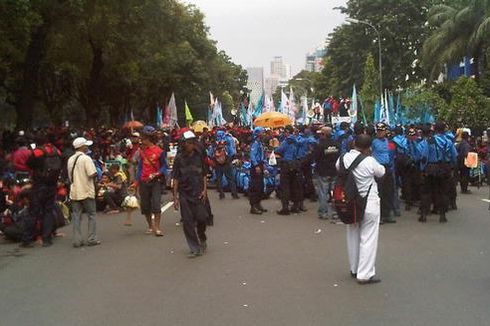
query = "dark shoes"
{"x": 193, "y": 254}
{"x": 442, "y": 218}
{"x": 422, "y": 219}
{"x": 235, "y": 196}
{"x": 26, "y": 245}
{"x": 353, "y": 275}
{"x": 93, "y": 243}
{"x": 255, "y": 210}
{"x": 283, "y": 212}
{"x": 221, "y": 196}
{"x": 259, "y": 206}
{"x": 47, "y": 243}
{"x": 372, "y": 280}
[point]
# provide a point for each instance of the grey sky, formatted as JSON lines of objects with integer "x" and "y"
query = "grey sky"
{"x": 254, "y": 31}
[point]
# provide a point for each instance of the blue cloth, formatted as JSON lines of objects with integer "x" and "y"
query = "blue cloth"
{"x": 382, "y": 152}
{"x": 401, "y": 143}
{"x": 344, "y": 138}
{"x": 256, "y": 153}
{"x": 438, "y": 149}
{"x": 304, "y": 143}
{"x": 222, "y": 136}
{"x": 288, "y": 149}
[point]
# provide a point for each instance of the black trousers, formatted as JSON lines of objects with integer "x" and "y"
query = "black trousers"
{"x": 291, "y": 187}
{"x": 256, "y": 191}
{"x": 464, "y": 177}
{"x": 42, "y": 205}
{"x": 307, "y": 174}
{"x": 194, "y": 215}
{"x": 411, "y": 181}
{"x": 436, "y": 189}
{"x": 386, "y": 187}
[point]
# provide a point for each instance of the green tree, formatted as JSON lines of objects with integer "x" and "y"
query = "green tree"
{"x": 370, "y": 90}
{"x": 461, "y": 28}
{"x": 468, "y": 105}
{"x": 420, "y": 98}
{"x": 402, "y": 24}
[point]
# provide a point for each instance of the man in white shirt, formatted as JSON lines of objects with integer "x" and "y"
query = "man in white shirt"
{"x": 82, "y": 173}
{"x": 362, "y": 238}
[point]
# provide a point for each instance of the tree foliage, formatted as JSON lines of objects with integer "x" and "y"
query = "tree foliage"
{"x": 420, "y": 98}
{"x": 402, "y": 25}
{"x": 90, "y": 59}
{"x": 370, "y": 91}
{"x": 460, "y": 28}
{"x": 468, "y": 105}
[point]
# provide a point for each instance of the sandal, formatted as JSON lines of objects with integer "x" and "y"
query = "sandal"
{"x": 149, "y": 231}
{"x": 128, "y": 224}
{"x": 159, "y": 233}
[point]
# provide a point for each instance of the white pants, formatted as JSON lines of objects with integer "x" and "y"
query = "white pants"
{"x": 362, "y": 241}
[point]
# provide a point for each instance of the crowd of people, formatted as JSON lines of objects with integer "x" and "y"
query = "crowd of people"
{"x": 46, "y": 171}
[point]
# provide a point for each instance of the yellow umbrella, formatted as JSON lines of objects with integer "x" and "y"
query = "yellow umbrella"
{"x": 272, "y": 120}
{"x": 199, "y": 126}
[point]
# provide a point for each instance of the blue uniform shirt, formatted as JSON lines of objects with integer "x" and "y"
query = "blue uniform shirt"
{"x": 382, "y": 152}
{"x": 256, "y": 153}
{"x": 401, "y": 143}
{"x": 288, "y": 149}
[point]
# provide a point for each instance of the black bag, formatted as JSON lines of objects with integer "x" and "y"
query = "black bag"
{"x": 52, "y": 166}
{"x": 347, "y": 201}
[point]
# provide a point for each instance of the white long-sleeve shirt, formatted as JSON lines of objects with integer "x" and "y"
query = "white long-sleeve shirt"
{"x": 365, "y": 172}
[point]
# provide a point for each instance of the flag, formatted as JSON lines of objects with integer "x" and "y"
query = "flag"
{"x": 174, "y": 119}
{"x": 260, "y": 105}
{"x": 391, "y": 109}
{"x": 131, "y": 115}
{"x": 293, "y": 109}
{"x": 284, "y": 106}
{"x": 218, "y": 114}
{"x": 363, "y": 111}
{"x": 377, "y": 111}
{"x": 353, "y": 105}
{"x": 211, "y": 99}
{"x": 304, "y": 110}
{"x": 159, "y": 119}
{"x": 188, "y": 115}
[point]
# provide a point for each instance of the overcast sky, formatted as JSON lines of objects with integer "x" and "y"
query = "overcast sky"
{"x": 254, "y": 31}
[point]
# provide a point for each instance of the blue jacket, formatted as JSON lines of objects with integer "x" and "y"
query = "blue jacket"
{"x": 401, "y": 143}
{"x": 304, "y": 143}
{"x": 438, "y": 149}
{"x": 256, "y": 153}
{"x": 288, "y": 149}
{"x": 344, "y": 140}
{"x": 221, "y": 136}
{"x": 382, "y": 152}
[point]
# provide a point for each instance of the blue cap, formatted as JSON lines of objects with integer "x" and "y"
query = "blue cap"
{"x": 148, "y": 130}
{"x": 258, "y": 130}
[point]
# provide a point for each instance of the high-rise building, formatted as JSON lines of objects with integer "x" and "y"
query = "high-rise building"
{"x": 280, "y": 69}
{"x": 271, "y": 84}
{"x": 314, "y": 60}
{"x": 255, "y": 83}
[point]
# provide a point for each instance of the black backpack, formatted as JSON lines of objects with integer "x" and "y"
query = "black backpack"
{"x": 347, "y": 201}
{"x": 51, "y": 167}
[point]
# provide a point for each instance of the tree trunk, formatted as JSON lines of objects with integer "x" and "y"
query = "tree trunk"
{"x": 94, "y": 86}
{"x": 26, "y": 96}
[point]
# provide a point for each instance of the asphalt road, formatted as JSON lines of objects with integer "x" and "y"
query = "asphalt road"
{"x": 266, "y": 270}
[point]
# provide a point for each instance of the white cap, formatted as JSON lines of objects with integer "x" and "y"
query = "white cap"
{"x": 135, "y": 134}
{"x": 189, "y": 135}
{"x": 81, "y": 141}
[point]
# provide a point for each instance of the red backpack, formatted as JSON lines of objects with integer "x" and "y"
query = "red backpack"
{"x": 347, "y": 201}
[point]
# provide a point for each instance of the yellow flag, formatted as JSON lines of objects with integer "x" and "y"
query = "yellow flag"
{"x": 188, "y": 115}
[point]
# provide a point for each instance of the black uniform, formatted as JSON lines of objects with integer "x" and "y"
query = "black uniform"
{"x": 189, "y": 170}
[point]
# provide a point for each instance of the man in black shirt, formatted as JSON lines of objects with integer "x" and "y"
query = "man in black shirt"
{"x": 325, "y": 155}
{"x": 190, "y": 193}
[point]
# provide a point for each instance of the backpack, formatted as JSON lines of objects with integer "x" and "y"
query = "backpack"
{"x": 220, "y": 155}
{"x": 52, "y": 165}
{"x": 347, "y": 201}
